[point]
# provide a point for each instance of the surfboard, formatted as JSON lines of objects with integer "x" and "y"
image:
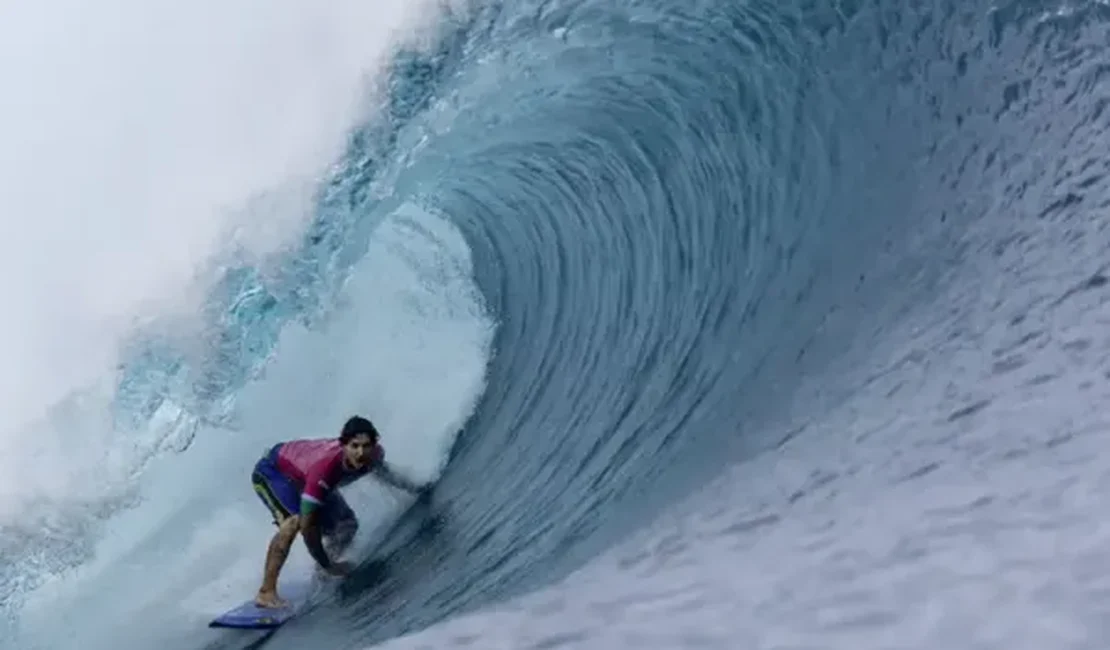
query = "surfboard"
{"x": 248, "y": 616}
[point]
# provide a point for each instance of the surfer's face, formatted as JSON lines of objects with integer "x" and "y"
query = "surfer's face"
{"x": 359, "y": 450}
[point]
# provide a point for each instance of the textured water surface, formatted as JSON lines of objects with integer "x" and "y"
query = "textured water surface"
{"x": 760, "y": 324}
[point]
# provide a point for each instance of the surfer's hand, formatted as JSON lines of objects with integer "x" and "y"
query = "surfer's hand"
{"x": 339, "y": 569}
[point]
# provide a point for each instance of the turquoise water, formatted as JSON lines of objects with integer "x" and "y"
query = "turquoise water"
{"x": 587, "y": 257}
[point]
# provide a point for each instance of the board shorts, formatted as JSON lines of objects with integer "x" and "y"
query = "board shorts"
{"x": 282, "y": 496}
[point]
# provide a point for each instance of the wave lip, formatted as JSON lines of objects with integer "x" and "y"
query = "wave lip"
{"x": 652, "y": 239}
{"x": 914, "y": 405}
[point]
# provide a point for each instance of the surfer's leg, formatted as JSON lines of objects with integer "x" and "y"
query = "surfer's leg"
{"x": 281, "y": 498}
{"x": 276, "y": 553}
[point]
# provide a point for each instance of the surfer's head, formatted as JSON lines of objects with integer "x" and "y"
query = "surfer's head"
{"x": 359, "y": 438}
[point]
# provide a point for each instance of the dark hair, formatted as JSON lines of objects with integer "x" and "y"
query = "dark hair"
{"x": 355, "y": 426}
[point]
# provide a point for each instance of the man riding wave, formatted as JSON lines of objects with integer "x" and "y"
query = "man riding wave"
{"x": 299, "y": 483}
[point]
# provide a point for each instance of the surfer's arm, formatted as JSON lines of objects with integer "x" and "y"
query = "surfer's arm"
{"x": 310, "y": 531}
{"x": 385, "y": 473}
{"x": 316, "y": 487}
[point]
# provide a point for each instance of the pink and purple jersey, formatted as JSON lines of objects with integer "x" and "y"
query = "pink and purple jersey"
{"x": 317, "y": 466}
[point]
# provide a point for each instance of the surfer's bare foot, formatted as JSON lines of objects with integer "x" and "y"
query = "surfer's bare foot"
{"x": 269, "y": 599}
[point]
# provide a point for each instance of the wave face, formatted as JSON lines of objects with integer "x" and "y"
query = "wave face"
{"x": 718, "y": 323}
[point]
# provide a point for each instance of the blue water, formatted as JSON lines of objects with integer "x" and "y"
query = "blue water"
{"x": 676, "y": 214}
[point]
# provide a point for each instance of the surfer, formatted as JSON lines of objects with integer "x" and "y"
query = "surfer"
{"x": 298, "y": 481}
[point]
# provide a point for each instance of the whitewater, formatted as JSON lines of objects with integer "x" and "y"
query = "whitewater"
{"x": 718, "y": 324}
